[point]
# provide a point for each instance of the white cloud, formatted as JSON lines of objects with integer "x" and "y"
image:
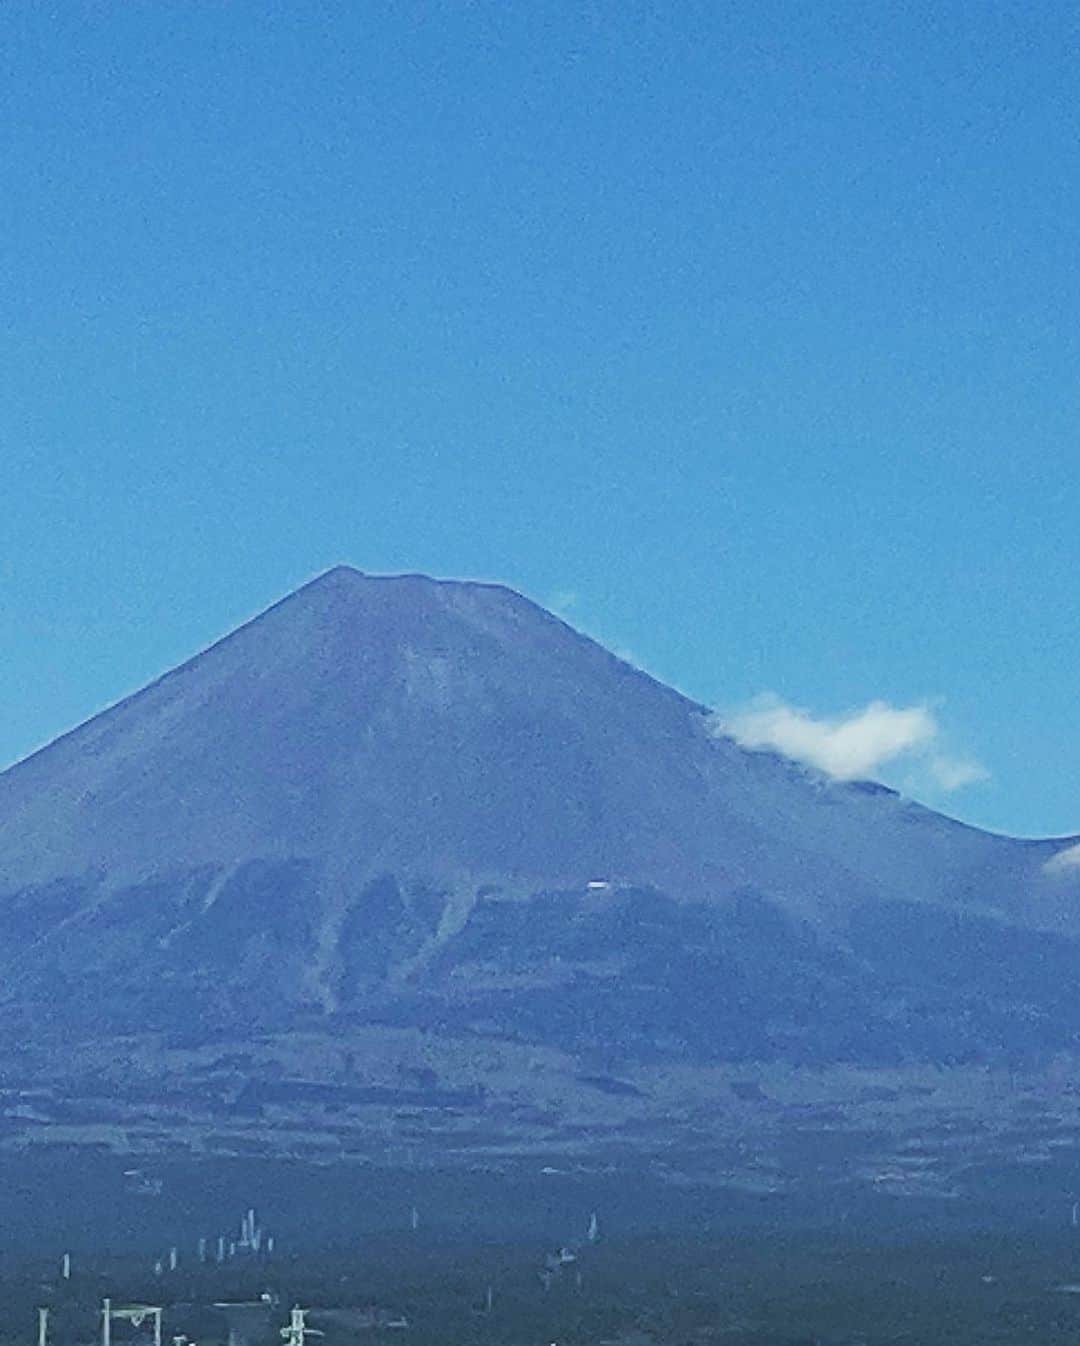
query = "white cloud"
{"x": 953, "y": 773}
{"x": 852, "y": 746}
{"x": 1065, "y": 862}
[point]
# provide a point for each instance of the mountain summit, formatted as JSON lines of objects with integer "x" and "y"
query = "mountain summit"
{"x": 393, "y": 724}
{"x": 410, "y": 800}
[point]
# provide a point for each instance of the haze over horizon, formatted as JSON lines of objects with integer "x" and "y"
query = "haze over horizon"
{"x": 741, "y": 338}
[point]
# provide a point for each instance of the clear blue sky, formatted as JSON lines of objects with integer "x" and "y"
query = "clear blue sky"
{"x": 747, "y": 333}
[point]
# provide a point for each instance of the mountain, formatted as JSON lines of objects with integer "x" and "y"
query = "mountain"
{"x": 407, "y": 810}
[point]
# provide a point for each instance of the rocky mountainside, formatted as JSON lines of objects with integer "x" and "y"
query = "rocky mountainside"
{"x": 432, "y": 805}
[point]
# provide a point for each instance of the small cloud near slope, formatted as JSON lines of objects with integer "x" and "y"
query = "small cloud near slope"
{"x": 1065, "y": 862}
{"x": 852, "y": 746}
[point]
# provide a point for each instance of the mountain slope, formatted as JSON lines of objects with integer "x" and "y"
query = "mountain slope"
{"x": 386, "y": 799}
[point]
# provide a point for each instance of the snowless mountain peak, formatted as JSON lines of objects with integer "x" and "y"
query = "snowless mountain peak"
{"x": 446, "y": 727}
{"x": 384, "y": 781}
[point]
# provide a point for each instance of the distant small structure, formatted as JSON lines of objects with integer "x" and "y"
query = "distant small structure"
{"x": 138, "y": 1183}
{"x": 135, "y": 1314}
{"x": 43, "y": 1326}
{"x": 65, "y": 1266}
{"x": 297, "y": 1331}
{"x": 251, "y": 1236}
{"x": 554, "y": 1265}
{"x": 593, "y": 1232}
